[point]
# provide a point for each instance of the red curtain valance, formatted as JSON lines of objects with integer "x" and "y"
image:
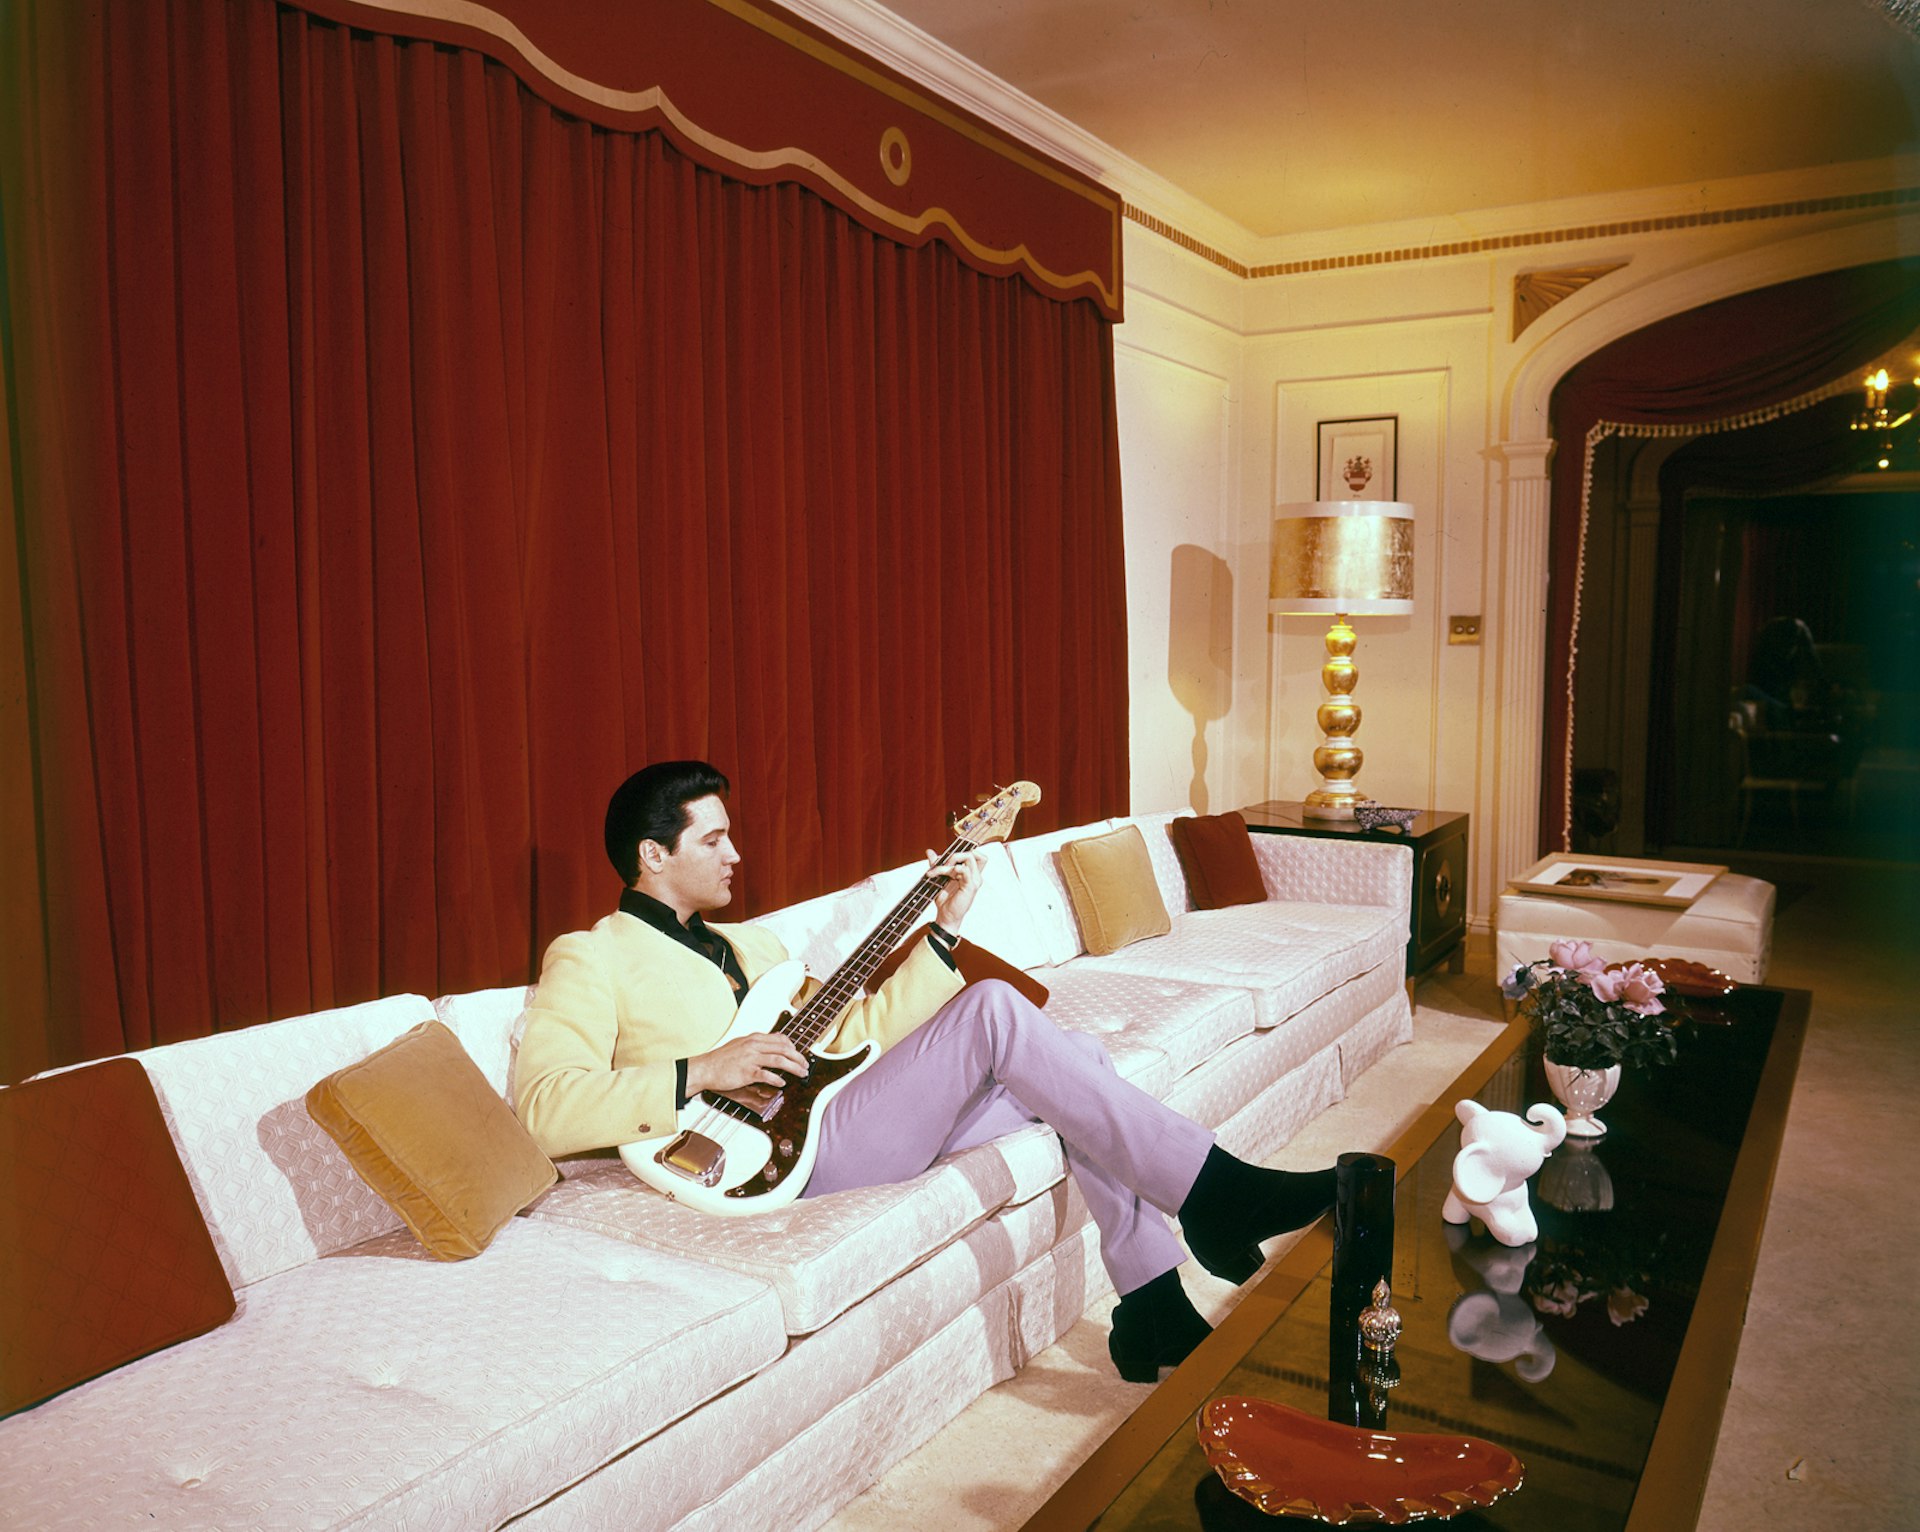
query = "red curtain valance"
{"x": 747, "y": 89}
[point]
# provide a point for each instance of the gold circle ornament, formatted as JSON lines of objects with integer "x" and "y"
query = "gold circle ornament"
{"x": 896, "y": 156}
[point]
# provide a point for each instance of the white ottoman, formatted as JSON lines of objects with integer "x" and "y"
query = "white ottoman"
{"x": 1729, "y": 927}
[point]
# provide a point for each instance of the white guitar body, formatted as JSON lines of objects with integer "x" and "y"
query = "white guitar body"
{"x": 731, "y": 1160}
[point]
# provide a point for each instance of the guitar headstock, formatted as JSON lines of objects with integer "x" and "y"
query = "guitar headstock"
{"x": 993, "y": 820}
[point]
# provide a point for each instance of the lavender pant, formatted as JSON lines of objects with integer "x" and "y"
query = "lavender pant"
{"x": 988, "y": 1063}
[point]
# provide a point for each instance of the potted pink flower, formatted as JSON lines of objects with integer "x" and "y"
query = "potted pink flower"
{"x": 1592, "y": 1020}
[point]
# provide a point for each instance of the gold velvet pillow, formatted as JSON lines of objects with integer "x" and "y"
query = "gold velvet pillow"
{"x": 1110, "y": 881}
{"x": 422, "y": 1126}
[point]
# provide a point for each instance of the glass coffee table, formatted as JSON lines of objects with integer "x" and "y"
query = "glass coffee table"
{"x": 1600, "y": 1355}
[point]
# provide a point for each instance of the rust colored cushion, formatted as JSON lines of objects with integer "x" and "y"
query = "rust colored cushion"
{"x": 1111, "y": 886}
{"x": 974, "y": 963}
{"x": 1216, "y": 854}
{"x": 104, "y": 1253}
{"x": 422, "y": 1126}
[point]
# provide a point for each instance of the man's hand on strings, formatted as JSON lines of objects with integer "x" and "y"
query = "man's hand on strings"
{"x": 759, "y": 1058}
{"x": 959, "y": 881}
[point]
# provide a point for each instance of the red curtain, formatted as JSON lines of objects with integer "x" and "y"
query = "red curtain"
{"x": 1723, "y": 360}
{"x": 401, "y": 462}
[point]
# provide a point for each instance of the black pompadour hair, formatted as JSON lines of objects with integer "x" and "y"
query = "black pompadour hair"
{"x": 652, "y": 805}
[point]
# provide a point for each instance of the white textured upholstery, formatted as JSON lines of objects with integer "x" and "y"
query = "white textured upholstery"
{"x": 1000, "y": 919}
{"x": 385, "y": 1389}
{"x": 1272, "y": 1118}
{"x": 1233, "y": 1076}
{"x": 1037, "y": 861}
{"x": 1155, "y": 1028}
{"x": 1167, "y": 872}
{"x": 1729, "y": 927}
{"x": 488, "y": 1023}
{"x": 876, "y": 1383}
{"x": 822, "y": 1255}
{"x": 1313, "y": 870}
{"x": 1285, "y": 956}
{"x": 275, "y": 1189}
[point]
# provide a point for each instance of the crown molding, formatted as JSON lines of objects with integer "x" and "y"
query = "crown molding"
{"x": 1157, "y": 204}
{"x": 1663, "y": 206}
{"x": 926, "y": 61}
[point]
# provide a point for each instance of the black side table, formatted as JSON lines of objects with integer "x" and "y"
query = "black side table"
{"x": 1439, "y": 842}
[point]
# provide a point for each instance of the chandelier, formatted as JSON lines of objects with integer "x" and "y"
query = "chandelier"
{"x": 1879, "y": 417}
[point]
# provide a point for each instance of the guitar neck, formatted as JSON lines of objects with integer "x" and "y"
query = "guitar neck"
{"x": 809, "y": 1024}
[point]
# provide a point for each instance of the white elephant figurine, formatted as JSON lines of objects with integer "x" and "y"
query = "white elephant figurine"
{"x": 1498, "y": 1151}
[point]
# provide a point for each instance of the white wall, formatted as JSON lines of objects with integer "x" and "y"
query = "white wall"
{"x": 1221, "y": 381}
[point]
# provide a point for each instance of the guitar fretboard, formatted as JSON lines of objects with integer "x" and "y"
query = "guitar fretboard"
{"x": 809, "y": 1024}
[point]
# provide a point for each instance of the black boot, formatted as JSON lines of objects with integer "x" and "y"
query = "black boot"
{"x": 1154, "y": 1326}
{"x": 1234, "y": 1205}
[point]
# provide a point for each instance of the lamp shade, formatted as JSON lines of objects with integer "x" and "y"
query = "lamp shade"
{"x": 1351, "y": 557}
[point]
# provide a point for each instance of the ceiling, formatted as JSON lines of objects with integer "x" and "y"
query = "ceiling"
{"x": 1289, "y": 117}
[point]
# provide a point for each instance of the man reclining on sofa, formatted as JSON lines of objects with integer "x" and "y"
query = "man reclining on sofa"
{"x": 627, "y": 1027}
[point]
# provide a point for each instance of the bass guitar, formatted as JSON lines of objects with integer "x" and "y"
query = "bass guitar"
{"x": 747, "y": 1153}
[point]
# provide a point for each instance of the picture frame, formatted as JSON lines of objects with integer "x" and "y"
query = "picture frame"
{"x": 1358, "y": 459}
{"x": 1623, "y": 879}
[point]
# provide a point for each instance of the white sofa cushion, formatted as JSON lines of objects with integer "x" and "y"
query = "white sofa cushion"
{"x": 858, "y": 1388}
{"x": 488, "y": 1023}
{"x": 822, "y": 1255}
{"x": 1228, "y": 1079}
{"x": 382, "y": 1388}
{"x": 275, "y": 1189}
{"x": 1285, "y": 955}
{"x": 1001, "y": 919}
{"x": 1037, "y": 861}
{"x": 1155, "y": 1028}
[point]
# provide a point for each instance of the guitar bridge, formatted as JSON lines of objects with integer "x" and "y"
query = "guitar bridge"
{"x": 696, "y": 1157}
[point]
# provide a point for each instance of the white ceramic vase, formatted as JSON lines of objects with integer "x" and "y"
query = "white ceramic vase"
{"x": 1583, "y": 1092}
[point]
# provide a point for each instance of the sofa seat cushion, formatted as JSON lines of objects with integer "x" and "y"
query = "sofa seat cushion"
{"x": 382, "y": 1388}
{"x": 821, "y": 1255}
{"x": 843, "y": 1403}
{"x": 1155, "y": 1028}
{"x": 1286, "y": 955}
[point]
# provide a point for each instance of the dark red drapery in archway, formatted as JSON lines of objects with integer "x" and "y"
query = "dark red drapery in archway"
{"x": 1701, "y": 370}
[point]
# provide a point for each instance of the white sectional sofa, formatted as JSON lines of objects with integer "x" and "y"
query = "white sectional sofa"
{"x": 615, "y": 1359}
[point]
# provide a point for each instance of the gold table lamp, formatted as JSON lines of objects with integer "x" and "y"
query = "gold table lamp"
{"x": 1347, "y": 558}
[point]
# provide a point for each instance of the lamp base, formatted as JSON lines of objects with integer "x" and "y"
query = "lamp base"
{"x": 1330, "y": 804}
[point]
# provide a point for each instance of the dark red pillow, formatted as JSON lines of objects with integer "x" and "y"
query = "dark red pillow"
{"x": 1216, "y": 854}
{"x": 974, "y": 963}
{"x": 104, "y": 1254}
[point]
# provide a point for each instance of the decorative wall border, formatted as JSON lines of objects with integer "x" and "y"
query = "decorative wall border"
{"x": 1804, "y": 207}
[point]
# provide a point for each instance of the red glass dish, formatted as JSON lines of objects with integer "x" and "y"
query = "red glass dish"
{"x": 1289, "y": 1463}
{"x": 1694, "y": 980}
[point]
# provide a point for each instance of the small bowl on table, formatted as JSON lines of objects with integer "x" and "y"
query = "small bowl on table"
{"x": 1377, "y": 816}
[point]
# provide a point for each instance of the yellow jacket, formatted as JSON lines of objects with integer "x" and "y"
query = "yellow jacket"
{"x": 618, "y": 1004}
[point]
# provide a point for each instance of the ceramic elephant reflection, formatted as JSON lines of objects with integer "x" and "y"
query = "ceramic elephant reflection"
{"x": 1498, "y": 1152}
{"x": 1495, "y": 1323}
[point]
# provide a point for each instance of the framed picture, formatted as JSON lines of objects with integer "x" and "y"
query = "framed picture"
{"x": 1358, "y": 459}
{"x": 1630, "y": 880}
